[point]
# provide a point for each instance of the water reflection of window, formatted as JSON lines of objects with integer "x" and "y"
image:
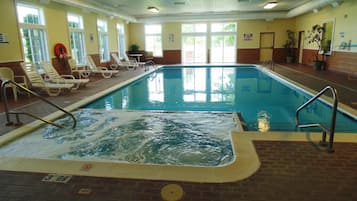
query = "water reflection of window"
{"x": 222, "y": 84}
{"x": 194, "y": 84}
{"x": 156, "y": 88}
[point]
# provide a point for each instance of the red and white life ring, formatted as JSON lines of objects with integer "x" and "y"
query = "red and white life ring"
{"x": 60, "y": 51}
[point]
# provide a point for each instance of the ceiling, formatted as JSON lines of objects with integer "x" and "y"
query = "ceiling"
{"x": 195, "y": 10}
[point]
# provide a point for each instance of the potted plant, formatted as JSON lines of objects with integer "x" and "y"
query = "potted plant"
{"x": 134, "y": 48}
{"x": 315, "y": 37}
{"x": 289, "y": 47}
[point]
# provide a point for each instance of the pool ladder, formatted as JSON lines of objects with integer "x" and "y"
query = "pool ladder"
{"x": 18, "y": 122}
{"x": 324, "y": 129}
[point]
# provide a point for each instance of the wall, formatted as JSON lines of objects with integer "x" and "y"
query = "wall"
{"x": 11, "y": 54}
{"x": 247, "y": 51}
{"x": 342, "y": 60}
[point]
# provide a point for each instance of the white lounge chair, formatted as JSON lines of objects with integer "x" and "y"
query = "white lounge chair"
{"x": 6, "y": 73}
{"x": 36, "y": 81}
{"x": 53, "y": 76}
{"x": 77, "y": 69}
{"x": 118, "y": 63}
{"x": 133, "y": 61}
{"x": 100, "y": 69}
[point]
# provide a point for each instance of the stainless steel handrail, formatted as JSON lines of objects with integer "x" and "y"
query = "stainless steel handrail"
{"x": 333, "y": 117}
{"x": 7, "y": 112}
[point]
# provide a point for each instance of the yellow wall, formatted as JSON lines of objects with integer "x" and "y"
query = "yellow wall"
{"x": 345, "y": 21}
{"x": 11, "y": 51}
{"x": 57, "y": 29}
{"x": 244, "y": 26}
{"x": 136, "y": 32}
{"x": 257, "y": 26}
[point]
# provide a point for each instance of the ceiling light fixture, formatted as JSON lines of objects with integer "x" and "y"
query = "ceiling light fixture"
{"x": 153, "y": 9}
{"x": 270, "y": 5}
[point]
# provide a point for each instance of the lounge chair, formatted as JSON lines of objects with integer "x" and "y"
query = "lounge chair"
{"x": 53, "y": 76}
{"x": 36, "y": 81}
{"x": 99, "y": 69}
{"x": 133, "y": 61}
{"x": 6, "y": 73}
{"x": 77, "y": 69}
{"x": 127, "y": 64}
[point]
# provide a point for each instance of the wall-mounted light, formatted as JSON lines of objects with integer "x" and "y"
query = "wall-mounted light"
{"x": 153, "y": 9}
{"x": 270, "y": 5}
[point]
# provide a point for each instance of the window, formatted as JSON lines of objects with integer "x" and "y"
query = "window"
{"x": 33, "y": 33}
{"x": 153, "y": 42}
{"x": 103, "y": 40}
{"x": 121, "y": 41}
{"x": 223, "y": 42}
{"x": 194, "y": 37}
{"x": 75, "y": 24}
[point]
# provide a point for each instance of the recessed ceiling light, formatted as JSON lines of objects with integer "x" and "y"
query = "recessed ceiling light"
{"x": 270, "y": 5}
{"x": 153, "y": 9}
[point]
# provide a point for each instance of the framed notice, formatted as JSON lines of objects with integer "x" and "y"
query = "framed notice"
{"x": 247, "y": 36}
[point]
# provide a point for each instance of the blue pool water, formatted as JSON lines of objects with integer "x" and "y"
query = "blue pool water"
{"x": 265, "y": 103}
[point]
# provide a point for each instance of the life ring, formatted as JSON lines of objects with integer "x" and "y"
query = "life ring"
{"x": 60, "y": 51}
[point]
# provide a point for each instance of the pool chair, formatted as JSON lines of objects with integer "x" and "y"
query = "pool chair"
{"x": 53, "y": 76}
{"x": 37, "y": 82}
{"x": 7, "y": 74}
{"x": 78, "y": 69}
{"x": 118, "y": 63}
{"x": 134, "y": 61}
{"x": 99, "y": 69}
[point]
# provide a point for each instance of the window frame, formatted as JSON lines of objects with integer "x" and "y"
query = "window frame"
{"x": 121, "y": 39}
{"x": 79, "y": 30}
{"x": 105, "y": 56}
{"x": 41, "y": 27}
{"x": 161, "y": 51}
{"x": 195, "y": 34}
{"x": 224, "y": 34}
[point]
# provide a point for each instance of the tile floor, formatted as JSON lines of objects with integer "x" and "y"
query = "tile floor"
{"x": 289, "y": 170}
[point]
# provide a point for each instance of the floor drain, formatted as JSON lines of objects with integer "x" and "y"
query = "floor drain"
{"x": 57, "y": 178}
{"x": 84, "y": 191}
{"x": 172, "y": 192}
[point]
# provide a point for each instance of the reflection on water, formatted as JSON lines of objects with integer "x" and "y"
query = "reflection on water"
{"x": 263, "y": 119}
{"x": 197, "y": 139}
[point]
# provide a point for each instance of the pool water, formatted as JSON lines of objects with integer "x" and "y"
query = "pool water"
{"x": 266, "y": 103}
{"x": 133, "y": 137}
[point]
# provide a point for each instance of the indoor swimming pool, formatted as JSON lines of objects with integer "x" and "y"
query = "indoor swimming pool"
{"x": 265, "y": 101}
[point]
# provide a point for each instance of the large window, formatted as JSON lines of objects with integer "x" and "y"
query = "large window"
{"x": 103, "y": 40}
{"x": 121, "y": 40}
{"x": 33, "y": 33}
{"x": 153, "y": 42}
{"x": 223, "y": 42}
{"x": 75, "y": 24}
{"x": 194, "y": 48}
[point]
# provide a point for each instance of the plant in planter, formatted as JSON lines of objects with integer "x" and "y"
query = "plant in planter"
{"x": 315, "y": 37}
{"x": 134, "y": 48}
{"x": 289, "y": 47}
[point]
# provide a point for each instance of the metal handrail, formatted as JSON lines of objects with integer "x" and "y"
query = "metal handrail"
{"x": 7, "y": 112}
{"x": 333, "y": 117}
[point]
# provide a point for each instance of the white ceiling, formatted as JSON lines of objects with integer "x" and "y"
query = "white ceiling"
{"x": 191, "y": 10}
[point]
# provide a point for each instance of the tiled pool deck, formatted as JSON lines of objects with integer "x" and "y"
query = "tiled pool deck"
{"x": 289, "y": 170}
